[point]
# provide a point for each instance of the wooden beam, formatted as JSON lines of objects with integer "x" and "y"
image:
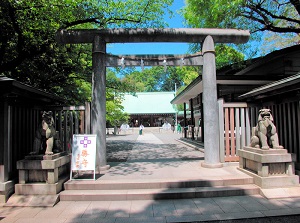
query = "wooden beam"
{"x": 187, "y": 35}
{"x": 154, "y": 60}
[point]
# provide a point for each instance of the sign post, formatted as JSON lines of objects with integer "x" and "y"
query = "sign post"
{"x": 83, "y": 153}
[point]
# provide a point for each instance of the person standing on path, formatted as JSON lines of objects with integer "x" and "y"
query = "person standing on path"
{"x": 141, "y": 129}
{"x": 178, "y": 128}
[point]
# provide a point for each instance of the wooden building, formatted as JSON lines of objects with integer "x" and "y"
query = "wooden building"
{"x": 271, "y": 81}
{"x": 20, "y": 113}
{"x": 21, "y": 108}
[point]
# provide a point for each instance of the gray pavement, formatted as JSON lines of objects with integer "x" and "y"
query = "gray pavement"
{"x": 157, "y": 155}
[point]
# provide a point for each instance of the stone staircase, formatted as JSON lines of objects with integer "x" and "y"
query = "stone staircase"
{"x": 156, "y": 189}
{"x": 156, "y": 170}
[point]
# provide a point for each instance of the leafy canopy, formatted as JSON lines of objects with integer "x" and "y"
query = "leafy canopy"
{"x": 264, "y": 18}
{"x": 157, "y": 79}
{"x": 30, "y": 54}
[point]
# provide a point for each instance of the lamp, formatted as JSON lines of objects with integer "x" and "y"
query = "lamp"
{"x": 142, "y": 64}
{"x": 165, "y": 65}
{"x": 123, "y": 62}
{"x": 182, "y": 62}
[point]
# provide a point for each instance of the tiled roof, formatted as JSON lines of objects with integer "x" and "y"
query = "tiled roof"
{"x": 149, "y": 103}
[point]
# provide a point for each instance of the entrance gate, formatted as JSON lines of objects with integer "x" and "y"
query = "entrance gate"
{"x": 101, "y": 60}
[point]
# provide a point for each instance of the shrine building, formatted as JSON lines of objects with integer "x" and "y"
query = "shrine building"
{"x": 152, "y": 109}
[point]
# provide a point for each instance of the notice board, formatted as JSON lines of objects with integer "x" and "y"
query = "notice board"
{"x": 83, "y": 153}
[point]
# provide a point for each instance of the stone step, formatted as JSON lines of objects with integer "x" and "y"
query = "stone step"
{"x": 156, "y": 194}
{"x": 192, "y": 143}
{"x": 155, "y": 183}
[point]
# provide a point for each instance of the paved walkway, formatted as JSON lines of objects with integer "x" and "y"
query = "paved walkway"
{"x": 157, "y": 155}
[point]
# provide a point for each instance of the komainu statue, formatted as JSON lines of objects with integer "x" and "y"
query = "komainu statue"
{"x": 265, "y": 134}
{"x": 46, "y": 139}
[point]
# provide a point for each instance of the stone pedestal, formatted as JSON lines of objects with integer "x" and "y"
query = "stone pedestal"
{"x": 6, "y": 189}
{"x": 43, "y": 174}
{"x": 271, "y": 168}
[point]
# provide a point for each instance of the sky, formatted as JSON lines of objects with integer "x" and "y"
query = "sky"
{"x": 154, "y": 48}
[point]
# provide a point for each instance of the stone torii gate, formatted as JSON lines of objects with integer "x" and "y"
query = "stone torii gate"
{"x": 101, "y": 60}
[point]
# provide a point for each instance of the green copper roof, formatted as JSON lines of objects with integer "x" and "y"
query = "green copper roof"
{"x": 149, "y": 103}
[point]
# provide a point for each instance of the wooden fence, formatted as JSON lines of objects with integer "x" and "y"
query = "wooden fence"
{"x": 240, "y": 118}
{"x": 69, "y": 121}
{"x": 235, "y": 129}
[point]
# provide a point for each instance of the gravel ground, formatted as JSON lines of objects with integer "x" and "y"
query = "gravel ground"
{"x": 118, "y": 147}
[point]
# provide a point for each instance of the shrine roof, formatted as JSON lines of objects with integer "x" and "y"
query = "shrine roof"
{"x": 149, "y": 103}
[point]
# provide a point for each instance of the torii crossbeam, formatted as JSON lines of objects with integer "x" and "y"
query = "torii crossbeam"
{"x": 100, "y": 37}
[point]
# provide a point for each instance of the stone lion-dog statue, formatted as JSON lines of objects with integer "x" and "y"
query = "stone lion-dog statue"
{"x": 46, "y": 138}
{"x": 265, "y": 134}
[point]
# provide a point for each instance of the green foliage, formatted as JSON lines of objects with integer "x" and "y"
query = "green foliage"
{"x": 214, "y": 14}
{"x": 156, "y": 79}
{"x": 211, "y": 13}
{"x": 265, "y": 19}
{"x": 114, "y": 109}
{"x": 30, "y": 54}
{"x": 227, "y": 55}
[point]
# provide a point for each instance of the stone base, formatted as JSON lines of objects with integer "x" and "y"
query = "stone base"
{"x": 6, "y": 190}
{"x": 209, "y": 165}
{"x": 102, "y": 169}
{"x": 42, "y": 174}
{"x": 273, "y": 181}
{"x": 41, "y": 188}
{"x": 273, "y": 168}
{"x": 45, "y": 157}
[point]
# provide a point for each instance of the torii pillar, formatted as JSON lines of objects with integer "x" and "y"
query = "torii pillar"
{"x": 98, "y": 106}
{"x": 210, "y": 105}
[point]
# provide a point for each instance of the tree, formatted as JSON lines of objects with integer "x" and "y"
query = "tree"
{"x": 30, "y": 54}
{"x": 264, "y": 18}
{"x": 157, "y": 79}
{"x": 115, "y": 115}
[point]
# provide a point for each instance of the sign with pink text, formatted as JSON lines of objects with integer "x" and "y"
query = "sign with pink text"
{"x": 83, "y": 152}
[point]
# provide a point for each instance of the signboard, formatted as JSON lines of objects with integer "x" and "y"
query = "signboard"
{"x": 83, "y": 153}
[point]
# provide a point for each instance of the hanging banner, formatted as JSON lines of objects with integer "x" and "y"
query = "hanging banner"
{"x": 83, "y": 153}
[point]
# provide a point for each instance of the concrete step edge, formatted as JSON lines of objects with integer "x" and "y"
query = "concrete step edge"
{"x": 167, "y": 193}
{"x": 158, "y": 184}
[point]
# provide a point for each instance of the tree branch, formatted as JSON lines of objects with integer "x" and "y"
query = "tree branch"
{"x": 258, "y": 8}
{"x": 112, "y": 20}
{"x": 266, "y": 23}
{"x": 296, "y": 4}
{"x": 83, "y": 21}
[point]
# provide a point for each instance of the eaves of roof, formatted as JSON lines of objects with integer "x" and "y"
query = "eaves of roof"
{"x": 196, "y": 87}
{"x": 271, "y": 56}
{"x": 10, "y": 86}
{"x": 280, "y": 84}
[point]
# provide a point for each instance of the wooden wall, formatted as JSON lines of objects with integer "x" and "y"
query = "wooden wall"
{"x": 18, "y": 124}
{"x": 286, "y": 119}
